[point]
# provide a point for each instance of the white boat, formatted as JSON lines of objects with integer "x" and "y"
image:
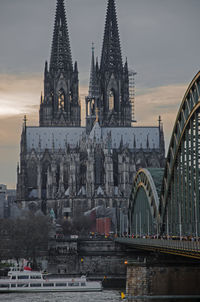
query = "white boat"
{"x": 31, "y": 281}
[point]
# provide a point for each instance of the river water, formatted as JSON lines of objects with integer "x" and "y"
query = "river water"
{"x": 104, "y": 296}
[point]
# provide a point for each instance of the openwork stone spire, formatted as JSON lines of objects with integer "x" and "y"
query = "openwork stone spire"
{"x": 111, "y": 58}
{"x": 60, "y": 106}
{"x": 61, "y": 59}
{"x": 93, "y": 89}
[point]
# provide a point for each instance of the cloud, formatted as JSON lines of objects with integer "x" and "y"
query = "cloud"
{"x": 163, "y": 101}
{"x": 20, "y": 94}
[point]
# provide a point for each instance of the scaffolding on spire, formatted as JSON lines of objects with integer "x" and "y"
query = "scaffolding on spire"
{"x": 132, "y": 75}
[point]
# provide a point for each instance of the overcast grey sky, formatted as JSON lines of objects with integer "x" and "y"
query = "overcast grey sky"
{"x": 160, "y": 38}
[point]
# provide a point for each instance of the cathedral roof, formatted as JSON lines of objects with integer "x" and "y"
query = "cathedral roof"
{"x": 133, "y": 137}
{"x": 53, "y": 137}
{"x": 59, "y": 137}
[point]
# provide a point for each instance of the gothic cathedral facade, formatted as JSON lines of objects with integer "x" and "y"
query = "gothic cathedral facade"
{"x": 72, "y": 168}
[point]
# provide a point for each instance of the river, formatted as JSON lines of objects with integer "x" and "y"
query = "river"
{"x": 104, "y": 296}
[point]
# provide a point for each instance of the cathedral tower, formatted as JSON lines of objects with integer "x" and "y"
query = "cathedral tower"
{"x": 113, "y": 102}
{"x": 60, "y": 105}
{"x": 72, "y": 169}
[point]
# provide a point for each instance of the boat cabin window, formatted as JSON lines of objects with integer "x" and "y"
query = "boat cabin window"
{"x": 4, "y": 285}
{"x": 61, "y": 284}
{"x": 13, "y": 285}
{"x": 73, "y": 284}
{"x": 36, "y": 277}
{"x": 35, "y": 285}
{"x": 13, "y": 277}
{"x": 22, "y": 285}
{"x": 83, "y": 284}
{"x": 48, "y": 284}
{"x": 23, "y": 277}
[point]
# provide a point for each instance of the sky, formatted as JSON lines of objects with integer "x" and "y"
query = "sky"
{"x": 160, "y": 39}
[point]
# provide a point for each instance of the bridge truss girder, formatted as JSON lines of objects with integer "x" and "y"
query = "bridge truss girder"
{"x": 179, "y": 202}
{"x": 143, "y": 205}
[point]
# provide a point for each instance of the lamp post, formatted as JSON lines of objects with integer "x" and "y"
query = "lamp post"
{"x": 167, "y": 225}
{"x": 148, "y": 222}
{"x": 180, "y": 222}
{"x": 196, "y": 222}
{"x": 136, "y": 224}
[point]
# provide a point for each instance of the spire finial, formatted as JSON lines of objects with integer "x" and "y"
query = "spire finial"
{"x": 53, "y": 143}
{"x": 25, "y": 121}
{"x": 41, "y": 98}
{"x": 39, "y": 144}
{"x": 93, "y": 48}
{"x": 148, "y": 141}
{"x": 159, "y": 121}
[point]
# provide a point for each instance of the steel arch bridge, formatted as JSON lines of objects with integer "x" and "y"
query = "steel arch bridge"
{"x": 174, "y": 206}
{"x": 144, "y": 203}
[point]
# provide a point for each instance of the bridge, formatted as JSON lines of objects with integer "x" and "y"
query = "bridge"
{"x": 165, "y": 202}
{"x": 164, "y": 211}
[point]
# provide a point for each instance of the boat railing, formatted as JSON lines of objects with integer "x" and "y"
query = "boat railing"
{"x": 4, "y": 277}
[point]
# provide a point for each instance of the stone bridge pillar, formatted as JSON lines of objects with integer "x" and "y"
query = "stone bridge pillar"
{"x": 163, "y": 277}
{"x": 137, "y": 281}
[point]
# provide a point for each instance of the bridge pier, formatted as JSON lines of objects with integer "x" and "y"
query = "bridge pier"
{"x": 136, "y": 279}
{"x": 162, "y": 278}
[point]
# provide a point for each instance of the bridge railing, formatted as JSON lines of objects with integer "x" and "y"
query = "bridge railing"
{"x": 165, "y": 244}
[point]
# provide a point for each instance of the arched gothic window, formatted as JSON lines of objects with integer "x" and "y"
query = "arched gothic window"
{"x": 99, "y": 168}
{"x": 92, "y": 107}
{"x": 32, "y": 174}
{"x": 61, "y": 100}
{"x": 45, "y": 167}
{"x": 111, "y": 100}
{"x": 58, "y": 175}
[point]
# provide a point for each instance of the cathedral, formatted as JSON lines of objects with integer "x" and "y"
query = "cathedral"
{"x": 70, "y": 168}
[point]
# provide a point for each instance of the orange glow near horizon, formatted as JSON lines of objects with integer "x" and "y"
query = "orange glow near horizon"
{"x": 20, "y": 95}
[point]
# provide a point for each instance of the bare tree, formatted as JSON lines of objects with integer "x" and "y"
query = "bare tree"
{"x": 82, "y": 224}
{"x": 78, "y": 225}
{"x": 4, "y": 240}
{"x": 26, "y": 237}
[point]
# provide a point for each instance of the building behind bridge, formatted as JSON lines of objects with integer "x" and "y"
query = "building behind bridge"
{"x": 70, "y": 168}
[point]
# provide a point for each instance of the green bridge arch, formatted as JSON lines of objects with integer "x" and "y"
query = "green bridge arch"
{"x": 173, "y": 203}
{"x": 144, "y": 202}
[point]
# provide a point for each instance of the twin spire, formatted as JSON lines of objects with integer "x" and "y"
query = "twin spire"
{"x": 61, "y": 106}
{"x": 61, "y": 58}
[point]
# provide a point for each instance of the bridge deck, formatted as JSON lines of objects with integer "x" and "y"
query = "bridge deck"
{"x": 189, "y": 249}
